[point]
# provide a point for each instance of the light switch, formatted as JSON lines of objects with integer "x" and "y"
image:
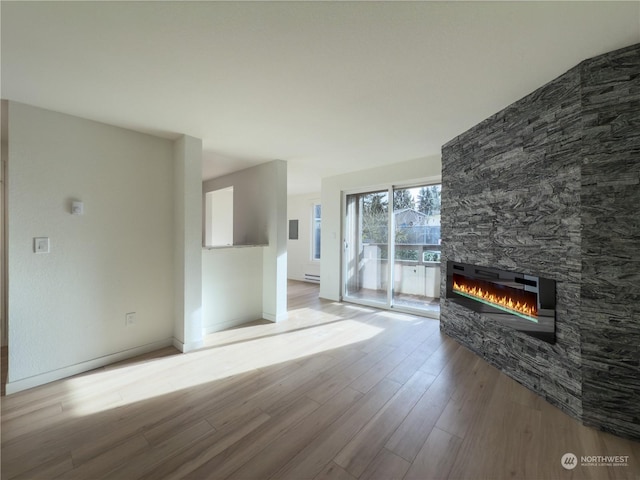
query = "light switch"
{"x": 41, "y": 245}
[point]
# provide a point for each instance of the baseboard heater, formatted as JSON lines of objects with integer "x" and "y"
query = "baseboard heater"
{"x": 311, "y": 278}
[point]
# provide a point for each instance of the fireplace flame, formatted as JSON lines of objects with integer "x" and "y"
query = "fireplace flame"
{"x": 503, "y": 301}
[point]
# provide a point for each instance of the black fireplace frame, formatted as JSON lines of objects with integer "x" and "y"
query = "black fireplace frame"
{"x": 544, "y": 289}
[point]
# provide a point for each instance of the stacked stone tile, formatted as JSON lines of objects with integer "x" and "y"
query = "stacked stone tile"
{"x": 550, "y": 186}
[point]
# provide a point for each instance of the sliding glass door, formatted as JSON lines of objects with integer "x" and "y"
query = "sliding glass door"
{"x": 367, "y": 247}
{"x": 416, "y": 266}
{"x": 392, "y": 252}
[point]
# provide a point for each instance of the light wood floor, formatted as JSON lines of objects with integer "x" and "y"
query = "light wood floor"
{"x": 4, "y": 356}
{"x": 335, "y": 392}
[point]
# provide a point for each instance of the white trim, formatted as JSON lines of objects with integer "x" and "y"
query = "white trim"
{"x": 4, "y": 219}
{"x": 226, "y": 325}
{"x": 187, "y": 347}
{"x": 37, "y": 380}
{"x": 424, "y": 182}
{"x": 274, "y": 318}
{"x": 177, "y": 344}
{"x": 414, "y": 182}
{"x": 381, "y": 306}
{"x": 391, "y": 243}
{"x": 390, "y": 189}
{"x": 312, "y": 246}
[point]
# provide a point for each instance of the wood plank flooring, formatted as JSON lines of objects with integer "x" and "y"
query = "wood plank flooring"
{"x": 4, "y": 357}
{"x": 338, "y": 392}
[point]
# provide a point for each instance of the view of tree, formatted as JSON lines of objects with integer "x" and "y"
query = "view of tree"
{"x": 375, "y": 212}
{"x": 375, "y": 217}
{"x": 429, "y": 200}
{"x": 375, "y": 203}
{"x": 402, "y": 199}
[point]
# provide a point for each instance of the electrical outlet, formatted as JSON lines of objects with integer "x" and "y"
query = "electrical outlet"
{"x": 130, "y": 318}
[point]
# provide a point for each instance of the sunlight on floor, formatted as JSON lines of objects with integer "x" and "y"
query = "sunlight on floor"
{"x": 310, "y": 315}
{"x": 403, "y": 317}
{"x": 357, "y": 308}
{"x": 239, "y": 351}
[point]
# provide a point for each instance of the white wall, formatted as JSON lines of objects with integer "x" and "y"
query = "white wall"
{"x": 299, "y": 252}
{"x": 253, "y": 194}
{"x": 219, "y": 217}
{"x": 260, "y": 217}
{"x": 274, "y": 264}
{"x": 67, "y": 308}
{"x": 231, "y": 287}
{"x": 4, "y": 154}
{"x": 187, "y": 202}
{"x": 425, "y": 169}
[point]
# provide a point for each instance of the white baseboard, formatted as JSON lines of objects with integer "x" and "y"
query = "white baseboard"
{"x": 331, "y": 298}
{"x": 229, "y": 324}
{"x": 187, "y": 347}
{"x": 178, "y": 344}
{"x": 48, "y": 377}
{"x": 303, "y": 278}
{"x": 274, "y": 318}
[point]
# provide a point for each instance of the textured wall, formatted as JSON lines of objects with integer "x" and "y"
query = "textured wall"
{"x": 67, "y": 308}
{"x": 511, "y": 200}
{"x": 520, "y": 192}
{"x": 610, "y": 295}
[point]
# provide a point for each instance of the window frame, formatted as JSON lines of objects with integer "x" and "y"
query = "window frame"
{"x": 316, "y": 225}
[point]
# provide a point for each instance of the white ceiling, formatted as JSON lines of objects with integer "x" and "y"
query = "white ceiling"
{"x": 331, "y": 87}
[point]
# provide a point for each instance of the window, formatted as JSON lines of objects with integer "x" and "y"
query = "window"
{"x": 315, "y": 225}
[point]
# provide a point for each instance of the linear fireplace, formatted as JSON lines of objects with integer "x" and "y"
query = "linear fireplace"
{"x": 523, "y": 302}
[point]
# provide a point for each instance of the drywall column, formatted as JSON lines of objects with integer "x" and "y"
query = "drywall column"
{"x": 4, "y": 155}
{"x": 188, "y": 243}
{"x": 274, "y": 260}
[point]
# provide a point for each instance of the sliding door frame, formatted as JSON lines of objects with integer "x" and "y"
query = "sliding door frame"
{"x": 343, "y": 256}
{"x": 390, "y": 188}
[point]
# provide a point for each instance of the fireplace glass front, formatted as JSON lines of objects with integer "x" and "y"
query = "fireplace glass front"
{"x": 524, "y": 302}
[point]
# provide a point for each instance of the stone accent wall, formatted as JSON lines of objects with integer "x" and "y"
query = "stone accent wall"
{"x": 610, "y": 196}
{"x": 527, "y": 190}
